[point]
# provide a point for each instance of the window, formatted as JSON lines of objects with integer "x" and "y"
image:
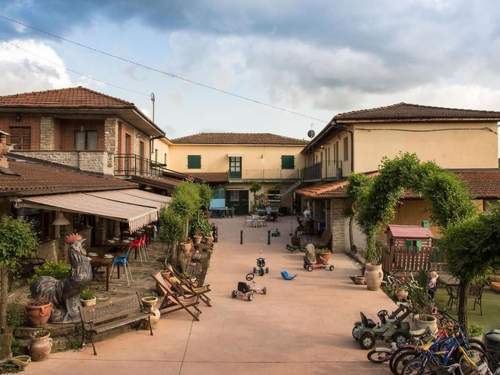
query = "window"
{"x": 194, "y": 161}
{"x": 85, "y": 140}
{"x": 346, "y": 149}
{"x": 165, "y": 159}
{"x": 20, "y": 137}
{"x": 336, "y": 154}
{"x": 234, "y": 167}
{"x": 287, "y": 162}
{"x": 415, "y": 245}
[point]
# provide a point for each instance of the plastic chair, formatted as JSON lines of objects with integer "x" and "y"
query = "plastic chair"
{"x": 285, "y": 275}
{"x": 122, "y": 260}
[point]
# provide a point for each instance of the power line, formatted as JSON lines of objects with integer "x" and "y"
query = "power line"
{"x": 163, "y": 72}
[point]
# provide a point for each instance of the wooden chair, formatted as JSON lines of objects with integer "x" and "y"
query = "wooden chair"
{"x": 188, "y": 287}
{"x": 476, "y": 291}
{"x": 452, "y": 296}
{"x": 174, "y": 301}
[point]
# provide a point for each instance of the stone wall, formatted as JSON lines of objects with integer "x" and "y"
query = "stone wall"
{"x": 110, "y": 143}
{"x": 60, "y": 157}
{"x": 47, "y": 133}
{"x": 337, "y": 220}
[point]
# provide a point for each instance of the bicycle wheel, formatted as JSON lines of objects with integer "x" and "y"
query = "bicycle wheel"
{"x": 473, "y": 362}
{"x": 401, "y": 360}
{"x": 379, "y": 355}
{"x": 417, "y": 366}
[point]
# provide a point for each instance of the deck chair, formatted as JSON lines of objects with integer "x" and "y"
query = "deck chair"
{"x": 173, "y": 302}
{"x": 285, "y": 275}
{"x": 186, "y": 288}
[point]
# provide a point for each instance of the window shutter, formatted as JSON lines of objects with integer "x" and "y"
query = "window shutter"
{"x": 194, "y": 161}
{"x": 418, "y": 244}
{"x": 287, "y": 162}
{"x": 408, "y": 244}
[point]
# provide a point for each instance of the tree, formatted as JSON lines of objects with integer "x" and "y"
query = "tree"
{"x": 186, "y": 203}
{"x": 472, "y": 247}
{"x": 357, "y": 190}
{"x": 171, "y": 231}
{"x": 255, "y": 188}
{"x": 16, "y": 241}
{"x": 205, "y": 193}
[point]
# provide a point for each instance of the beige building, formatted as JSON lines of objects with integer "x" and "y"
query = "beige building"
{"x": 464, "y": 141}
{"x": 233, "y": 161}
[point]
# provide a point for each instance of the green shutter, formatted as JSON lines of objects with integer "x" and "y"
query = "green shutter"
{"x": 425, "y": 224}
{"x": 418, "y": 244}
{"x": 408, "y": 244}
{"x": 194, "y": 161}
{"x": 287, "y": 162}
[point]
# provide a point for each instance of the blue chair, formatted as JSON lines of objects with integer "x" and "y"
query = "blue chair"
{"x": 122, "y": 260}
{"x": 285, "y": 275}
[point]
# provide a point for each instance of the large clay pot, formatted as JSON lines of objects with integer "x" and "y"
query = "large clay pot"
{"x": 151, "y": 305}
{"x": 186, "y": 246}
{"x": 197, "y": 239}
{"x": 39, "y": 315}
{"x": 426, "y": 321}
{"x": 88, "y": 302}
{"x": 40, "y": 347}
{"x": 374, "y": 276}
{"x": 209, "y": 240}
{"x": 325, "y": 257}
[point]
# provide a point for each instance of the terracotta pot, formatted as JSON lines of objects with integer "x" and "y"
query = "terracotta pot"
{"x": 374, "y": 276}
{"x": 40, "y": 347}
{"x": 425, "y": 321}
{"x": 197, "y": 239}
{"x": 209, "y": 240}
{"x": 359, "y": 280}
{"x": 151, "y": 305}
{"x": 325, "y": 257}
{"x": 39, "y": 315}
{"x": 186, "y": 246}
{"x": 401, "y": 295}
{"x": 88, "y": 302}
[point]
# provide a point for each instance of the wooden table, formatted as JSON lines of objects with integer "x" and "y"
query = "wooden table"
{"x": 100, "y": 261}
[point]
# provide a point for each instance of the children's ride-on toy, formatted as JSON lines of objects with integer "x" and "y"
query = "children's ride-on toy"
{"x": 243, "y": 292}
{"x": 285, "y": 275}
{"x": 313, "y": 262}
{"x": 261, "y": 268}
{"x": 390, "y": 328}
{"x": 253, "y": 286}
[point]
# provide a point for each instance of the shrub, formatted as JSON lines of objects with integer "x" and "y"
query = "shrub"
{"x": 87, "y": 294}
{"x": 171, "y": 227}
{"x": 205, "y": 193}
{"x": 58, "y": 270}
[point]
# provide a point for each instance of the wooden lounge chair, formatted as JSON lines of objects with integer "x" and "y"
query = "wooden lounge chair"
{"x": 172, "y": 301}
{"x": 191, "y": 285}
{"x": 186, "y": 287}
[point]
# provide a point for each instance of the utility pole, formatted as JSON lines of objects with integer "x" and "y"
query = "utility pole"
{"x": 153, "y": 104}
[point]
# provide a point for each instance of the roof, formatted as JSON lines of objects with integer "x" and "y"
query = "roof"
{"x": 76, "y": 99}
{"x": 414, "y": 112}
{"x": 409, "y": 231}
{"x": 239, "y": 138}
{"x": 211, "y": 176}
{"x": 25, "y": 178}
{"x": 483, "y": 183}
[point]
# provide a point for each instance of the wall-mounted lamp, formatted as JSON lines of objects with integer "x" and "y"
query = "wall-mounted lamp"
{"x": 60, "y": 219}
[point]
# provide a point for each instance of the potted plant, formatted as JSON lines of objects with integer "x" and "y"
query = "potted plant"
{"x": 171, "y": 230}
{"x": 16, "y": 241}
{"x": 423, "y": 306}
{"x": 38, "y": 311}
{"x": 41, "y": 345}
{"x": 373, "y": 268}
{"x": 88, "y": 297}
{"x": 186, "y": 203}
{"x": 324, "y": 255}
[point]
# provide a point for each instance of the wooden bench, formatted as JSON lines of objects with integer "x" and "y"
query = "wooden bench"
{"x": 108, "y": 316}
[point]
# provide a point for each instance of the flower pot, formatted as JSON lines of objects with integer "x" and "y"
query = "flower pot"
{"x": 425, "y": 321}
{"x": 374, "y": 276}
{"x": 151, "y": 305}
{"x": 402, "y": 295}
{"x": 197, "y": 239}
{"x": 325, "y": 257}
{"x": 39, "y": 315}
{"x": 186, "y": 246}
{"x": 88, "y": 302}
{"x": 209, "y": 240}
{"x": 40, "y": 347}
{"x": 359, "y": 280}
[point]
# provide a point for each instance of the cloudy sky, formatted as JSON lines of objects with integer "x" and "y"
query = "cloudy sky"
{"x": 317, "y": 57}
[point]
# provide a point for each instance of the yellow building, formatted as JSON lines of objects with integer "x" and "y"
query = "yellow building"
{"x": 233, "y": 161}
{"x": 464, "y": 141}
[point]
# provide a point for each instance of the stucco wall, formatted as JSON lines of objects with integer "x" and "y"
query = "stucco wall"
{"x": 255, "y": 159}
{"x": 449, "y": 148}
{"x": 162, "y": 146}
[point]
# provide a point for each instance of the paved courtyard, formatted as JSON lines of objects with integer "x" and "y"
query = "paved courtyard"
{"x": 300, "y": 327}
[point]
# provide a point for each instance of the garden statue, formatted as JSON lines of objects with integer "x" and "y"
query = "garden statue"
{"x": 65, "y": 294}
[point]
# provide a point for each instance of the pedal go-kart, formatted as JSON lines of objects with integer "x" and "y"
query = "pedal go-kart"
{"x": 253, "y": 285}
{"x": 313, "y": 261}
{"x": 243, "y": 292}
{"x": 391, "y": 327}
{"x": 261, "y": 268}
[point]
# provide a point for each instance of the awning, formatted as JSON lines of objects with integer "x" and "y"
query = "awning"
{"x": 132, "y": 198}
{"x": 148, "y": 195}
{"x": 135, "y": 215}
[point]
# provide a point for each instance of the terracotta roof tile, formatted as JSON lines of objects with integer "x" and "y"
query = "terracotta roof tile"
{"x": 415, "y": 112}
{"x": 32, "y": 178}
{"x": 73, "y": 97}
{"x": 211, "y": 176}
{"x": 409, "y": 231}
{"x": 239, "y": 138}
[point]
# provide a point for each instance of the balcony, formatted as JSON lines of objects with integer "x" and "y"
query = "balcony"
{"x": 135, "y": 165}
{"x": 327, "y": 170}
{"x": 265, "y": 175}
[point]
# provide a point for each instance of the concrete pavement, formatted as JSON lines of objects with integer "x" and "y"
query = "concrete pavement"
{"x": 301, "y": 327}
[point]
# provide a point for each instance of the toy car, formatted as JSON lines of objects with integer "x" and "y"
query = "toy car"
{"x": 261, "y": 268}
{"x": 253, "y": 286}
{"x": 391, "y": 327}
{"x": 243, "y": 292}
{"x": 309, "y": 266}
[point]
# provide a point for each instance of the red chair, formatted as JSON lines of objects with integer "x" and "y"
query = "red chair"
{"x": 136, "y": 246}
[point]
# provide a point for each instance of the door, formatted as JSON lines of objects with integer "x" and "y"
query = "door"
{"x": 238, "y": 199}
{"x": 128, "y": 153}
{"x": 234, "y": 167}
{"x": 20, "y": 136}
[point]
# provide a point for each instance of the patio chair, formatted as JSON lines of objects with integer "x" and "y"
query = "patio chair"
{"x": 285, "y": 275}
{"x": 122, "y": 260}
{"x": 476, "y": 291}
{"x": 187, "y": 289}
{"x": 452, "y": 296}
{"x": 172, "y": 301}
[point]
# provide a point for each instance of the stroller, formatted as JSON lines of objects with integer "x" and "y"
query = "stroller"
{"x": 243, "y": 292}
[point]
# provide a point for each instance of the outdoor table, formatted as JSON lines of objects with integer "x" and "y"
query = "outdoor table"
{"x": 101, "y": 261}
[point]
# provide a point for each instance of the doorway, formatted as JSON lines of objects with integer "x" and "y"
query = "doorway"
{"x": 238, "y": 199}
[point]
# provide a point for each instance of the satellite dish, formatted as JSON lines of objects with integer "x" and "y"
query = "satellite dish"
{"x": 311, "y": 133}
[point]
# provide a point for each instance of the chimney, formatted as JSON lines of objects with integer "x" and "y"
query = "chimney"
{"x": 4, "y": 164}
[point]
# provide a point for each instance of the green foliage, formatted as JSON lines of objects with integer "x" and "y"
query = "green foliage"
{"x": 171, "y": 227}
{"x": 16, "y": 315}
{"x": 58, "y": 270}
{"x": 255, "y": 187}
{"x": 200, "y": 225}
{"x": 17, "y": 240}
{"x": 205, "y": 193}
{"x": 357, "y": 191}
{"x": 87, "y": 294}
{"x": 475, "y": 330}
{"x": 186, "y": 200}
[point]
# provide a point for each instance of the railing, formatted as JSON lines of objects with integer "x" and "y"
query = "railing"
{"x": 328, "y": 169}
{"x": 402, "y": 259}
{"x": 266, "y": 174}
{"x": 136, "y": 165}
{"x": 313, "y": 172}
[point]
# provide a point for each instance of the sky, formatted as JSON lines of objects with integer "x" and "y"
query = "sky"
{"x": 315, "y": 57}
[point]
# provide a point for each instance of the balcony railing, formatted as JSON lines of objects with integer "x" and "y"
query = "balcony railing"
{"x": 322, "y": 170}
{"x": 265, "y": 174}
{"x": 136, "y": 165}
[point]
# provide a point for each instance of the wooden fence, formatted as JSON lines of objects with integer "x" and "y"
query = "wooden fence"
{"x": 402, "y": 259}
